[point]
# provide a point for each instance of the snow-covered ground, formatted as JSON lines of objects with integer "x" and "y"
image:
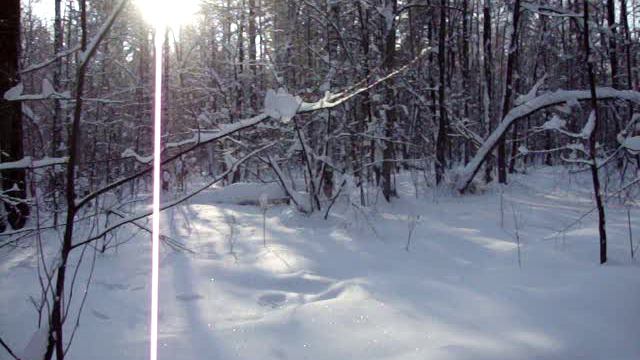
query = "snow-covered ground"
{"x": 346, "y": 288}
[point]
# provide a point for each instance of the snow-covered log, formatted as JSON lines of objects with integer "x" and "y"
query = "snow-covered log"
{"x": 27, "y": 162}
{"x": 529, "y": 107}
{"x": 248, "y": 194}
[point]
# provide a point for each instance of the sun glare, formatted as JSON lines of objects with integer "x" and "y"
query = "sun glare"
{"x": 169, "y": 13}
{"x": 161, "y": 14}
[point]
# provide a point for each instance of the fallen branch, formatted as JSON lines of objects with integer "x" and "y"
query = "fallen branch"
{"x": 175, "y": 244}
{"x": 531, "y": 106}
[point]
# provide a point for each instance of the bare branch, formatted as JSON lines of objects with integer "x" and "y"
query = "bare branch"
{"x": 173, "y": 203}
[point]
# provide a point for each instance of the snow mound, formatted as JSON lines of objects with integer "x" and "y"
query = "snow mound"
{"x": 248, "y": 194}
{"x": 37, "y": 345}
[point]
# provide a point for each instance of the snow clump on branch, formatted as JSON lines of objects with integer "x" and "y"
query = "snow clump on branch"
{"x": 281, "y": 105}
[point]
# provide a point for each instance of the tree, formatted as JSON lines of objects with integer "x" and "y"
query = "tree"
{"x": 389, "y": 59}
{"x": 441, "y": 142}
{"x": 593, "y": 144}
{"x": 509, "y": 84}
{"x": 487, "y": 79}
{"x": 11, "y": 147}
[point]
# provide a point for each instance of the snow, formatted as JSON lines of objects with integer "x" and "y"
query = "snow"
{"x": 245, "y": 194}
{"x": 48, "y": 92}
{"x": 281, "y": 105}
{"x": 203, "y": 137}
{"x": 531, "y": 94}
{"x": 263, "y": 200}
{"x": 387, "y": 13}
{"x": 523, "y": 150}
{"x": 27, "y": 162}
{"x": 346, "y": 288}
{"x": 131, "y": 153}
{"x": 576, "y": 147}
{"x": 587, "y": 130}
{"x": 37, "y": 345}
{"x": 47, "y": 88}
{"x": 554, "y": 123}
{"x": 632, "y": 144}
{"x": 548, "y": 10}
{"x": 14, "y": 93}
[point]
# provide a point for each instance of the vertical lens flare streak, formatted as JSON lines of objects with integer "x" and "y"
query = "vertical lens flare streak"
{"x": 155, "y": 229}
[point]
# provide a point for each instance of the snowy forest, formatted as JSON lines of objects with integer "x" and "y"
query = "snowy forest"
{"x": 340, "y": 179}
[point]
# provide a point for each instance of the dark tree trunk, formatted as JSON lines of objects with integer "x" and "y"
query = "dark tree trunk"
{"x": 11, "y": 115}
{"x": 487, "y": 87}
{"x": 592, "y": 138}
{"x": 441, "y": 142}
{"x": 627, "y": 43}
{"x": 466, "y": 80}
{"x": 253, "y": 53}
{"x": 389, "y": 151}
{"x": 56, "y": 131}
{"x": 512, "y": 61}
{"x": 613, "y": 51}
{"x": 365, "y": 117}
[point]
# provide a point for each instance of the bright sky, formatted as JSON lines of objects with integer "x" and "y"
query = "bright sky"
{"x": 172, "y": 13}
{"x": 43, "y": 8}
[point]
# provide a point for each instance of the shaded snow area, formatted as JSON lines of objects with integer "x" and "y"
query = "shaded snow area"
{"x": 245, "y": 194}
{"x": 346, "y": 288}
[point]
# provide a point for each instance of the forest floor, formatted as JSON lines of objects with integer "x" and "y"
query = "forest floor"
{"x": 347, "y": 288}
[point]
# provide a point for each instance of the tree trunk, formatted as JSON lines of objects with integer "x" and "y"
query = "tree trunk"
{"x": 441, "y": 142}
{"x": 512, "y": 61}
{"x": 365, "y": 117}
{"x": 56, "y": 131}
{"x": 487, "y": 82}
{"x": 627, "y": 43}
{"x": 56, "y": 339}
{"x": 592, "y": 138}
{"x": 466, "y": 80}
{"x": 11, "y": 148}
{"x": 388, "y": 64}
{"x": 253, "y": 54}
{"x": 613, "y": 51}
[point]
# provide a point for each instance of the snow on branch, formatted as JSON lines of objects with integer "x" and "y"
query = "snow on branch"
{"x": 531, "y": 94}
{"x": 199, "y": 138}
{"x": 549, "y": 10}
{"x": 28, "y": 163}
{"x": 48, "y": 62}
{"x": 558, "y": 124}
{"x": 175, "y": 202}
{"x": 630, "y": 143}
{"x": 540, "y": 102}
{"x": 48, "y": 92}
{"x": 281, "y": 105}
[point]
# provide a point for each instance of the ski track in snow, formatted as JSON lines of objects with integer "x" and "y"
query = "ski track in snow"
{"x": 347, "y": 289}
